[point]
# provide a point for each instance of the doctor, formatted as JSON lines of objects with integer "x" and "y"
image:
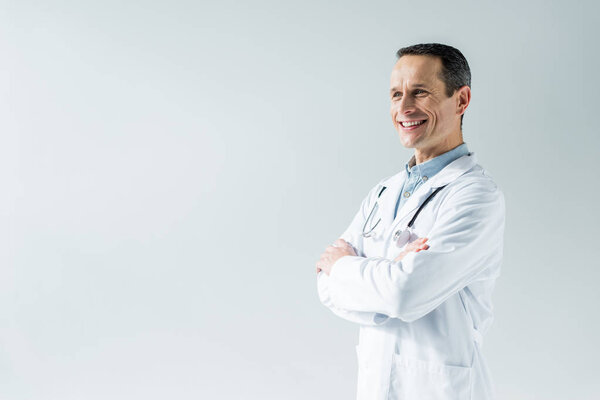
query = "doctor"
{"x": 417, "y": 265}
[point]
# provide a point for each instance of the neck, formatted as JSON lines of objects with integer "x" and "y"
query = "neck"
{"x": 422, "y": 155}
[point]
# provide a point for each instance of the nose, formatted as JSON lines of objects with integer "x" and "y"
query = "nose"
{"x": 406, "y": 105}
{"x": 403, "y": 106}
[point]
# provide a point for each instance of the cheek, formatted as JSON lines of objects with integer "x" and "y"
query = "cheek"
{"x": 433, "y": 110}
{"x": 393, "y": 115}
{"x": 445, "y": 109}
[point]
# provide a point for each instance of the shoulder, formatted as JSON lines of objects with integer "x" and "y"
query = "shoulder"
{"x": 381, "y": 186}
{"x": 475, "y": 189}
{"x": 476, "y": 179}
{"x": 391, "y": 180}
{"x": 387, "y": 182}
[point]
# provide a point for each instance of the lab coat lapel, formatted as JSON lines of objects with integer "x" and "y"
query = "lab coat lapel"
{"x": 415, "y": 201}
{"x": 453, "y": 170}
{"x": 448, "y": 174}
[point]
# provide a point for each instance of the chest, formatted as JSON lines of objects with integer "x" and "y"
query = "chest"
{"x": 394, "y": 228}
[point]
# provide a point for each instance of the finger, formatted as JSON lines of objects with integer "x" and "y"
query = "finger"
{"x": 340, "y": 242}
{"x": 335, "y": 250}
{"x": 413, "y": 246}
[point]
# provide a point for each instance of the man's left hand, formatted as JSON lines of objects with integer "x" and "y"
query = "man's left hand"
{"x": 339, "y": 249}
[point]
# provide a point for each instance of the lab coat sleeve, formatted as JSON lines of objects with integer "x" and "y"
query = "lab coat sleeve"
{"x": 465, "y": 242}
{"x": 359, "y": 317}
{"x": 353, "y": 236}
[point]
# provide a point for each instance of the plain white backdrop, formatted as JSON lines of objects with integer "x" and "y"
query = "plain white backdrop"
{"x": 172, "y": 170}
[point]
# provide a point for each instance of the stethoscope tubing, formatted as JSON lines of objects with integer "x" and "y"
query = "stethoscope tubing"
{"x": 413, "y": 219}
{"x": 375, "y": 206}
{"x": 422, "y": 206}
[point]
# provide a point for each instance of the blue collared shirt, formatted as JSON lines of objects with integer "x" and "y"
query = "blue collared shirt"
{"x": 419, "y": 173}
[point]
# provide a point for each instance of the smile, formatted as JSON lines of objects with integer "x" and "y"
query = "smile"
{"x": 408, "y": 124}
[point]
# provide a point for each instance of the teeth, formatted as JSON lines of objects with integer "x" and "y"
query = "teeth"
{"x": 407, "y": 124}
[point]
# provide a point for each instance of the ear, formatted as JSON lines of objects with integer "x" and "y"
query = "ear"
{"x": 463, "y": 99}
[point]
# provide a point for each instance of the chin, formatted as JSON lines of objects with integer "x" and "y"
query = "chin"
{"x": 409, "y": 142}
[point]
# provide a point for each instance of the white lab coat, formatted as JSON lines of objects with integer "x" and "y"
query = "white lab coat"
{"x": 422, "y": 319}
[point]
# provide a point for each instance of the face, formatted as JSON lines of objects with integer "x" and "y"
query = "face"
{"x": 425, "y": 118}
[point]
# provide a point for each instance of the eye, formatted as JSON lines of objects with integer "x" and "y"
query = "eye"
{"x": 397, "y": 94}
{"x": 420, "y": 91}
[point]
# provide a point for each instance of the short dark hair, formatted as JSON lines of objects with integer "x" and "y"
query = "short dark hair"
{"x": 455, "y": 68}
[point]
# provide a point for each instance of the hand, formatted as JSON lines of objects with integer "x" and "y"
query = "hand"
{"x": 339, "y": 249}
{"x": 416, "y": 246}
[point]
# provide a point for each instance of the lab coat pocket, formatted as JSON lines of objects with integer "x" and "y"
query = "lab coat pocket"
{"x": 413, "y": 379}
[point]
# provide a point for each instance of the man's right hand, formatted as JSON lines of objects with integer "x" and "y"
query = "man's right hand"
{"x": 416, "y": 246}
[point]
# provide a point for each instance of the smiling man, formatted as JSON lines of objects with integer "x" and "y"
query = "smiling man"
{"x": 417, "y": 265}
{"x": 424, "y": 108}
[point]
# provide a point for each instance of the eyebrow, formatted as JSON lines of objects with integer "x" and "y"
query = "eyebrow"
{"x": 416, "y": 85}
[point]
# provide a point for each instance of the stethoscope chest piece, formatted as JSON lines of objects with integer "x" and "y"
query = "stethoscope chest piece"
{"x": 403, "y": 237}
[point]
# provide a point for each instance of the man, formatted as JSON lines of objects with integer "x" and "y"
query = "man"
{"x": 417, "y": 265}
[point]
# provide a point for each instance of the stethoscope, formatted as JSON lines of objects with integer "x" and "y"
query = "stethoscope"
{"x": 373, "y": 209}
{"x": 401, "y": 237}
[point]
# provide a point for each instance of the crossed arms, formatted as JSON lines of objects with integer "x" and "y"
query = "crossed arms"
{"x": 464, "y": 243}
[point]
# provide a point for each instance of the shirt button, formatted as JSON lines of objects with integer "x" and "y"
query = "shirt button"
{"x": 425, "y": 179}
{"x": 406, "y": 194}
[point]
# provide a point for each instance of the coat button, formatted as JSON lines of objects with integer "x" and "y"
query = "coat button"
{"x": 406, "y": 194}
{"x": 425, "y": 179}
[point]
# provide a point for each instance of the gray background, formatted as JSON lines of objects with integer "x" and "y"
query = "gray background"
{"x": 171, "y": 172}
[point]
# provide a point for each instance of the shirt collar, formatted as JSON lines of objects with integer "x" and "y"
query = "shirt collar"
{"x": 431, "y": 167}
